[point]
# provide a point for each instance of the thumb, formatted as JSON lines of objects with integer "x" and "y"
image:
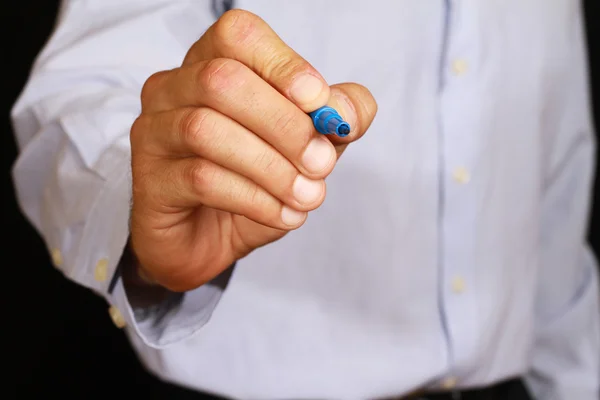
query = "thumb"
{"x": 356, "y": 105}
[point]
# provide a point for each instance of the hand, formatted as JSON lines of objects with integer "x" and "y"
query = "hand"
{"x": 224, "y": 157}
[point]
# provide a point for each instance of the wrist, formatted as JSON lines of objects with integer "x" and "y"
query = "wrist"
{"x": 141, "y": 289}
{"x": 133, "y": 272}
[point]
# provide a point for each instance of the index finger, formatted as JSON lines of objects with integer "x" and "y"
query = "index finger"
{"x": 245, "y": 37}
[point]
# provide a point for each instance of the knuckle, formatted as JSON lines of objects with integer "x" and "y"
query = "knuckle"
{"x": 287, "y": 65}
{"x": 197, "y": 126}
{"x": 138, "y": 129}
{"x": 219, "y": 75}
{"x": 270, "y": 164}
{"x": 254, "y": 198}
{"x": 290, "y": 125}
{"x": 139, "y": 134}
{"x": 285, "y": 124}
{"x": 200, "y": 176}
{"x": 251, "y": 194}
{"x": 235, "y": 28}
{"x": 143, "y": 177}
{"x": 152, "y": 85}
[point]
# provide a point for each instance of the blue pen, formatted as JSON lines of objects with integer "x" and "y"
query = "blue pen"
{"x": 328, "y": 122}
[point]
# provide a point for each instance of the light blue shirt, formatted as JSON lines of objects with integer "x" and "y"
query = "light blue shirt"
{"x": 450, "y": 251}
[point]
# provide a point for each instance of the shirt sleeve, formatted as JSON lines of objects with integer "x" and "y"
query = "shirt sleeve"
{"x": 566, "y": 355}
{"x": 72, "y": 121}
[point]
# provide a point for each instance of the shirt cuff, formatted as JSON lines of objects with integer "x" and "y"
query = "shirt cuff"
{"x": 176, "y": 318}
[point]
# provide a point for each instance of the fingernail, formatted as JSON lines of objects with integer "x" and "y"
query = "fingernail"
{"x": 306, "y": 89}
{"x": 345, "y": 108}
{"x": 319, "y": 154}
{"x": 307, "y": 191}
{"x": 291, "y": 217}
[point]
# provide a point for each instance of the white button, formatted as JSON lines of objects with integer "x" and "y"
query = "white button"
{"x": 449, "y": 383}
{"x": 458, "y": 285}
{"x": 101, "y": 270}
{"x": 461, "y": 175}
{"x": 57, "y": 258}
{"x": 459, "y": 67}
{"x": 117, "y": 317}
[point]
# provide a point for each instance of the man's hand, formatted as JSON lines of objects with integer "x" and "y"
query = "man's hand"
{"x": 224, "y": 157}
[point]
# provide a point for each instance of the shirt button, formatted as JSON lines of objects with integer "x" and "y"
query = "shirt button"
{"x": 458, "y": 285}
{"x": 57, "y": 258}
{"x": 459, "y": 67}
{"x": 117, "y": 317}
{"x": 449, "y": 383}
{"x": 101, "y": 271}
{"x": 461, "y": 175}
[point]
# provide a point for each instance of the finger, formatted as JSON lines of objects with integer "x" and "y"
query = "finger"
{"x": 192, "y": 181}
{"x": 234, "y": 90}
{"x": 245, "y": 37}
{"x": 356, "y": 105}
{"x": 213, "y": 136}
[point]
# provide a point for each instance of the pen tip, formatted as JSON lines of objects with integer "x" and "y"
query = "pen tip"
{"x": 343, "y": 129}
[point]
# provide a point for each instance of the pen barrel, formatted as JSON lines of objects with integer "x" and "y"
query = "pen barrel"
{"x": 328, "y": 122}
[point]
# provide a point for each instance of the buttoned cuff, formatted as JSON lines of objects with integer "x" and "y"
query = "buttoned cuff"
{"x": 176, "y": 318}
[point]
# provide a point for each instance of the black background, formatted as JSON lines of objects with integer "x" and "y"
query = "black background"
{"x": 60, "y": 338}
